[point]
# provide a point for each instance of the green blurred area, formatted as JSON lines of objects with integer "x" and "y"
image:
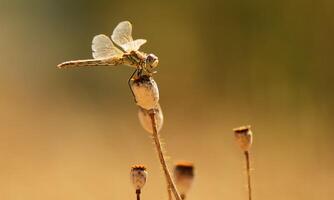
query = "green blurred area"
{"x": 74, "y": 134}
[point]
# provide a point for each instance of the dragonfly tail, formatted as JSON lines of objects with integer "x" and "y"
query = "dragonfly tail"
{"x": 85, "y": 63}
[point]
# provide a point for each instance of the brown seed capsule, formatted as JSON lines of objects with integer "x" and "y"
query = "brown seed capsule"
{"x": 138, "y": 176}
{"x": 145, "y": 119}
{"x": 243, "y": 136}
{"x": 184, "y": 175}
{"x": 146, "y": 92}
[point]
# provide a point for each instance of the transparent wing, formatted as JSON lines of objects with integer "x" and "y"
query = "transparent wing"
{"x": 103, "y": 47}
{"x": 122, "y": 34}
{"x": 133, "y": 45}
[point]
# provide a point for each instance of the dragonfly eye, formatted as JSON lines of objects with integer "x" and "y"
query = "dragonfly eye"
{"x": 152, "y": 60}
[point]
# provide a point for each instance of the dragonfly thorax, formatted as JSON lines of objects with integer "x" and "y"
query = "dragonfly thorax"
{"x": 146, "y": 62}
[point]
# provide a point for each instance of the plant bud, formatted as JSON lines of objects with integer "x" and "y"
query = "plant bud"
{"x": 183, "y": 175}
{"x": 243, "y": 136}
{"x": 145, "y": 118}
{"x": 138, "y": 176}
{"x": 146, "y": 92}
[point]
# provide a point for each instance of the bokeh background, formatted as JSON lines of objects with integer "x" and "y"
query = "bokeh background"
{"x": 74, "y": 134}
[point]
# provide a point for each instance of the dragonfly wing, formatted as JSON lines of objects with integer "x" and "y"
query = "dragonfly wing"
{"x": 122, "y": 34}
{"x": 103, "y": 47}
{"x": 133, "y": 45}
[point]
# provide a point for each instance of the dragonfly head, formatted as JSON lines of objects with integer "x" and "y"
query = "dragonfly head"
{"x": 152, "y": 61}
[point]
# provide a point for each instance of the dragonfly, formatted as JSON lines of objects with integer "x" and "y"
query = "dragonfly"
{"x": 106, "y": 53}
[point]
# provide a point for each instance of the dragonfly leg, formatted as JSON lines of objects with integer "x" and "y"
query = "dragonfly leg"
{"x": 142, "y": 68}
{"x": 129, "y": 83}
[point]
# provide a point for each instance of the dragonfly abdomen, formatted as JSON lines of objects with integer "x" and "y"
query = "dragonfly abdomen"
{"x": 91, "y": 62}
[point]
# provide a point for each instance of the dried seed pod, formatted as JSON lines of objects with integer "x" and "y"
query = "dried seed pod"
{"x": 145, "y": 119}
{"x": 184, "y": 176}
{"x": 146, "y": 92}
{"x": 138, "y": 176}
{"x": 244, "y": 137}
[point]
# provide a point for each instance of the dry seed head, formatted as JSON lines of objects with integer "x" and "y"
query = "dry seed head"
{"x": 138, "y": 176}
{"x": 146, "y": 92}
{"x": 145, "y": 119}
{"x": 184, "y": 176}
{"x": 244, "y": 137}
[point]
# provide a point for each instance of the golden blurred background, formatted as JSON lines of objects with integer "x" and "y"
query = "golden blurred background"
{"x": 73, "y": 134}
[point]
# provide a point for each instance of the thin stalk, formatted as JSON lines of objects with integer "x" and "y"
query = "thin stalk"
{"x": 170, "y": 182}
{"x": 248, "y": 175}
{"x": 138, "y": 194}
{"x": 169, "y": 191}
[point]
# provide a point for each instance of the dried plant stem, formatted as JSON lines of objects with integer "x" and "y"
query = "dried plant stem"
{"x": 248, "y": 175}
{"x": 169, "y": 190}
{"x": 170, "y": 184}
{"x": 138, "y": 194}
